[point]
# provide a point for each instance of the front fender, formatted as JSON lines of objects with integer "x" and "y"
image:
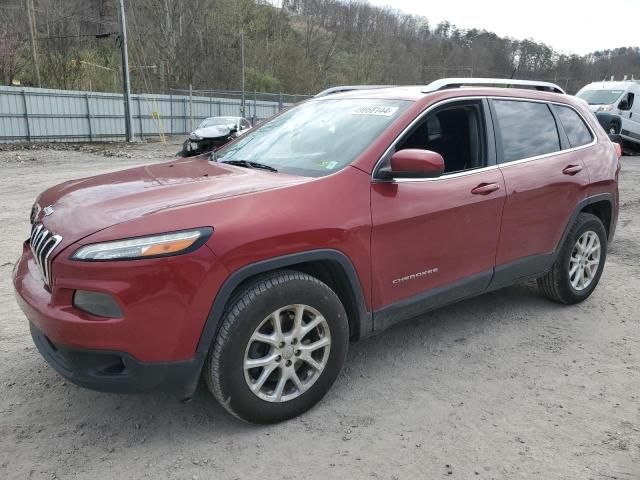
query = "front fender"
{"x": 249, "y": 271}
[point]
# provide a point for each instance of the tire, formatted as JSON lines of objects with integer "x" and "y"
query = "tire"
{"x": 251, "y": 314}
{"x": 559, "y": 284}
{"x": 613, "y": 128}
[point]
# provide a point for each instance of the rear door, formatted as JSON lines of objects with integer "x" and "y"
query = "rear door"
{"x": 435, "y": 240}
{"x": 545, "y": 179}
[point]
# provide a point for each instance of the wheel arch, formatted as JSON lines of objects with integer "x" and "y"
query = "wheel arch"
{"x": 600, "y": 205}
{"x": 602, "y": 209}
{"x": 330, "y": 266}
{"x": 605, "y": 119}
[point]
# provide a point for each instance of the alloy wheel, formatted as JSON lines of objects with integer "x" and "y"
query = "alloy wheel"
{"x": 585, "y": 260}
{"x": 287, "y": 353}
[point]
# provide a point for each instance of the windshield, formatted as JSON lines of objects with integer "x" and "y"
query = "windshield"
{"x": 316, "y": 138}
{"x": 600, "y": 97}
{"x": 209, "y": 122}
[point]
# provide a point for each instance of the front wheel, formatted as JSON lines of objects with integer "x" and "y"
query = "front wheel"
{"x": 281, "y": 345}
{"x": 614, "y": 128}
{"x": 580, "y": 262}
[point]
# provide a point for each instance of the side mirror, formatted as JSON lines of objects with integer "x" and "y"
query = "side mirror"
{"x": 624, "y": 105}
{"x": 415, "y": 163}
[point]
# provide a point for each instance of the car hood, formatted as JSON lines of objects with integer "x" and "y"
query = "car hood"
{"x": 213, "y": 131}
{"x": 82, "y": 207}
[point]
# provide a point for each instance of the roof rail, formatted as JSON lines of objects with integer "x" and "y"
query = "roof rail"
{"x": 445, "y": 83}
{"x": 349, "y": 88}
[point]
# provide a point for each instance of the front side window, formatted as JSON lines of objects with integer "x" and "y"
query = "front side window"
{"x": 574, "y": 126}
{"x": 630, "y": 98}
{"x": 526, "y": 129}
{"x": 316, "y": 138}
{"x": 456, "y": 132}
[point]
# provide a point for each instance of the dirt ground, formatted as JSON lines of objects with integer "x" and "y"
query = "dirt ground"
{"x": 505, "y": 386}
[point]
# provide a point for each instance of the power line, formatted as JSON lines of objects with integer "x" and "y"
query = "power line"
{"x": 94, "y": 35}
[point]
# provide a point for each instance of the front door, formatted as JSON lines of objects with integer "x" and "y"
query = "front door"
{"x": 630, "y": 117}
{"x": 434, "y": 240}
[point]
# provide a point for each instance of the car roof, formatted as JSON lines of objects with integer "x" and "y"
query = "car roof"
{"x": 480, "y": 86}
{"x": 612, "y": 85}
{"x": 415, "y": 93}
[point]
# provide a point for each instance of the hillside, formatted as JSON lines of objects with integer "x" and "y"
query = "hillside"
{"x": 298, "y": 46}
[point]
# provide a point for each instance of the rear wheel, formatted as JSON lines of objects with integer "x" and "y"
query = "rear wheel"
{"x": 580, "y": 262}
{"x": 281, "y": 346}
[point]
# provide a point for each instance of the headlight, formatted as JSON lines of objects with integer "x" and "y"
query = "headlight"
{"x": 161, "y": 245}
{"x": 605, "y": 108}
{"x": 195, "y": 136}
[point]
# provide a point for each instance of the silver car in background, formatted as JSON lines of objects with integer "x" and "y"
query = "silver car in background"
{"x": 213, "y": 133}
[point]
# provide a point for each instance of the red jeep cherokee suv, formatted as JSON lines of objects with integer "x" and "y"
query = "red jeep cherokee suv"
{"x": 345, "y": 214}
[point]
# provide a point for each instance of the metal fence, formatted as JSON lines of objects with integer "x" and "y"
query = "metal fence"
{"x": 38, "y": 114}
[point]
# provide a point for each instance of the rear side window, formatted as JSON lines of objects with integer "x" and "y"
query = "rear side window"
{"x": 527, "y": 129}
{"x": 574, "y": 126}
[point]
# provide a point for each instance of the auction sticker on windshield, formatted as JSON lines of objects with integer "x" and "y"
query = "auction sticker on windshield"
{"x": 375, "y": 110}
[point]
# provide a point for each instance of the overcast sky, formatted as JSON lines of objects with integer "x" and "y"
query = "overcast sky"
{"x": 569, "y": 26}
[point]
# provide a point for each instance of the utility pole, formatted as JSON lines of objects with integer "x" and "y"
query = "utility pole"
{"x": 125, "y": 75}
{"x": 190, "y": 107}
{"x": 32, "y": 37}
{"x": 242, "y": 56}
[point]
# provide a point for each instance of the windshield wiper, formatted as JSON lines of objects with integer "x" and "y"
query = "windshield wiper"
{"x": 248, "y": 164}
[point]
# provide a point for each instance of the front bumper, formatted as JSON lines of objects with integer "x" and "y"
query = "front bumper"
{"x": 151, "y": 347}
{"x": 204, "y": 145}
{"x": 119, "y": 372}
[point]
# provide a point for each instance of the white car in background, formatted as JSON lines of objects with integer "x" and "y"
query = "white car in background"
{"x": 617, "y": 107}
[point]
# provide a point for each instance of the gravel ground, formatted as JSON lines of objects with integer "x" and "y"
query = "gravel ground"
{"x": 507, "y": 385}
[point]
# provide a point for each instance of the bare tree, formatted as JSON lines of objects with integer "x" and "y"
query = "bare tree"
{"x": 12, "y": 56}
{"x": 297, "y": 46}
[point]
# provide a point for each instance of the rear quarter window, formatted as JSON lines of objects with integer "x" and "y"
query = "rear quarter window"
{"x": 574, "y": 126}
{"x": 526, "y": 129}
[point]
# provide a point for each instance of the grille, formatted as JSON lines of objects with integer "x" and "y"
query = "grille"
{"x": 43, "y": 243}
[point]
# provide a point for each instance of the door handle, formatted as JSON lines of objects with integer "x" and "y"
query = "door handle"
{"x": 485, "y": 189}
{"x": 572, "y": 169}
